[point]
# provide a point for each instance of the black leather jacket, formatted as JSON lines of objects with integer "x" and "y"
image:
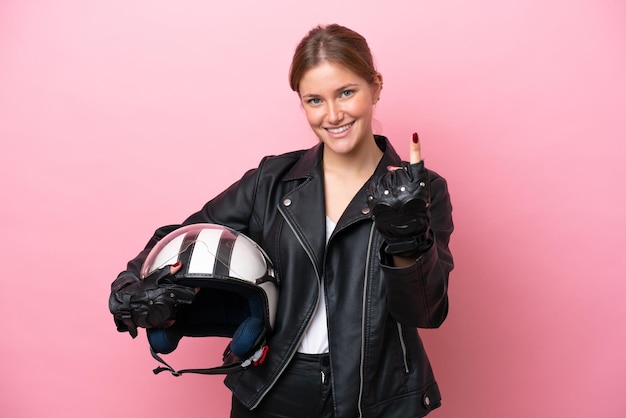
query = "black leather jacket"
{"x": 378, "y": 364}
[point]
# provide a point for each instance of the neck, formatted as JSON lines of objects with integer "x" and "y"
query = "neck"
{"x": 361, "y": 161}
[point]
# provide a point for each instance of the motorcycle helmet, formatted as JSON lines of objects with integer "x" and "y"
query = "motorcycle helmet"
{"x": 236, "y": 294}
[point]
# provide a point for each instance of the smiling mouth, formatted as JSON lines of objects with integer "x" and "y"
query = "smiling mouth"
{"x": 340, "y": 129}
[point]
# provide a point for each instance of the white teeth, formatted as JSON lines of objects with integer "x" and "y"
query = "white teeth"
{"x": 340, "y": 129}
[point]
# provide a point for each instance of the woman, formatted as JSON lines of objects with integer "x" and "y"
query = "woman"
{"x": 359, "y": 241}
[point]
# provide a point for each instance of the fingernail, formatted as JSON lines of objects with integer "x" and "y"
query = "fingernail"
{"x": 415, "y": 138}
{"x": 176, "y": 264}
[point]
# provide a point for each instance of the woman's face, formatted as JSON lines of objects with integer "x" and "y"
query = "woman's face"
{"x": 339, "y": 105}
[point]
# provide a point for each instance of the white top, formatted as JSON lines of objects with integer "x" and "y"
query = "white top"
{"x": 315, "y": 340}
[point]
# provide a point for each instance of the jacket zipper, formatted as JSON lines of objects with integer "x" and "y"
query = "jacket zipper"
{"x": 280, "y": 372}
{"x": 403, "y": 345}
{"x": 363, "y": 316}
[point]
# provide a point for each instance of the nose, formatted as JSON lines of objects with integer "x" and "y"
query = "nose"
{"x": 335, "y": 114}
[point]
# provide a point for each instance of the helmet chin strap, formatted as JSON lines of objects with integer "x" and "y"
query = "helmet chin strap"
{"x": 231, "y": 363}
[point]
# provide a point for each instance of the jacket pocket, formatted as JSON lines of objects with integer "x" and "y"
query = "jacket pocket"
{"x": 403, "y": 347}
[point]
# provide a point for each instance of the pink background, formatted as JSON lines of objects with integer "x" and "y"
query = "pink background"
{"x": 120, "y": 116}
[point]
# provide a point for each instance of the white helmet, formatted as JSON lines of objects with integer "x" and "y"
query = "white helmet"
{"x": 237, "y": 293}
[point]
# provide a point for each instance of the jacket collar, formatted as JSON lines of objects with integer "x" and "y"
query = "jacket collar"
{"x": 310, "y": 163}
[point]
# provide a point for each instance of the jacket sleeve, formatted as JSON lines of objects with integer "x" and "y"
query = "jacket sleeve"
{"x": 232, "y": 208}
{"x": 417, "y": 295}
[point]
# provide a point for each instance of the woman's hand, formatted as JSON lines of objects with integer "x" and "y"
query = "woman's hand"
{"x": 399, "y": 202}
{"x": 149, "y": 303}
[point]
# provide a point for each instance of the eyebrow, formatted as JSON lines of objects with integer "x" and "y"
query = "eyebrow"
{"x": 338, "y": 90}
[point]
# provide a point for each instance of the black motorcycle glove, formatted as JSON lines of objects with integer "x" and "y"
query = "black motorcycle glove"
{"x": 148, "y": 303}
{"x": 399, "y": 202}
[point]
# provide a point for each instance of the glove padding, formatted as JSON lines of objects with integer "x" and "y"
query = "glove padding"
{"x": 399, "y": 202}
{"x": 148, "y": 303}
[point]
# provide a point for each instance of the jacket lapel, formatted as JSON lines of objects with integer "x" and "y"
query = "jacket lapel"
{"x": 303, "y": 207}
{"x": 357, "y": 209}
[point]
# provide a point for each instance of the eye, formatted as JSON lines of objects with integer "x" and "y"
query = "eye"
{"x": 347, "y": 93}
{"x": 314, "y": 101}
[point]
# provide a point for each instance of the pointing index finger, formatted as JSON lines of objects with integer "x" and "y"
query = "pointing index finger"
{"x": 415, "y": 152}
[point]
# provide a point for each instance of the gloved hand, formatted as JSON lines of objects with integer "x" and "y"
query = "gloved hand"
{"x": 148, "y": 303}
{"x": 399, "y": 202}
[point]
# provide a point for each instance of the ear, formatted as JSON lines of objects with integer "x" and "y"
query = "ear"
{"x": 377, "y": 87}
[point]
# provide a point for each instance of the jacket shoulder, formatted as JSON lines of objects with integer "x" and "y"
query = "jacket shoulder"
{"x": 286, "y": 159}
{"x": 292, "y": 165}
